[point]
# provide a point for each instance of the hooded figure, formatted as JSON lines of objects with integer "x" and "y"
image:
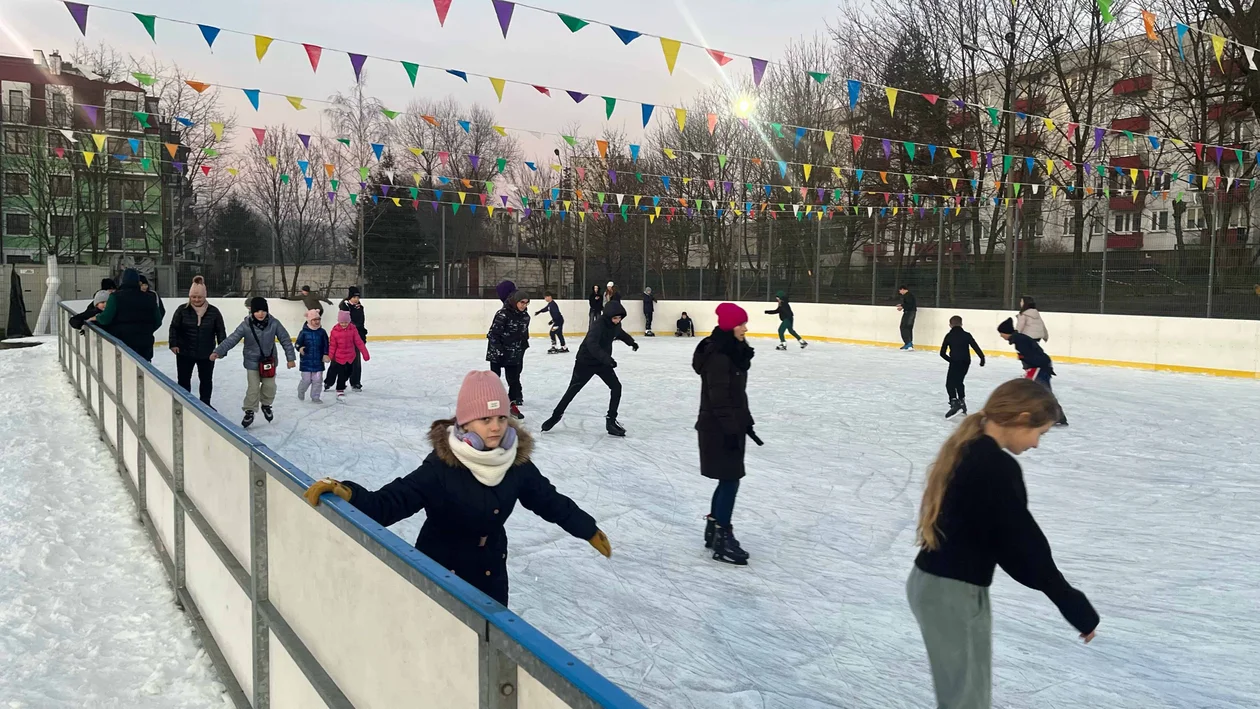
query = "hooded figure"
{"x": 506, "y": 343}
{"x": 132, "y": 315}
{"x": 594, "y": 359}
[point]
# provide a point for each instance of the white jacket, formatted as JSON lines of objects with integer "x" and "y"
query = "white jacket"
{"x": 1030, "y": 323}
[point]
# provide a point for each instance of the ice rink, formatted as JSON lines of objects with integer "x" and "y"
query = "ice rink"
{"x": 1150, "y": 501}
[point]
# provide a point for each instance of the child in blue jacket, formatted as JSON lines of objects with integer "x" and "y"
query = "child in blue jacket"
{"x": 312, "y": 345}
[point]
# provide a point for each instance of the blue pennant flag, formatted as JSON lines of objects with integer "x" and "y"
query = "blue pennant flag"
{"x": 626, "y": 36}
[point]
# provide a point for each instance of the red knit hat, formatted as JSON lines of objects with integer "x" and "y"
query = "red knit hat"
{"x": 731, "y": 316}
{"x": 481, "y": 395}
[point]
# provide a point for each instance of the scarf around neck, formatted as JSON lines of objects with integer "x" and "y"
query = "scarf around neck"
{"x": 201, "y": 311}
{"x": 489, "y": 467}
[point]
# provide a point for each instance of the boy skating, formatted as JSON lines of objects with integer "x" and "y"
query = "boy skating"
{"x": 312, "y": 346}
{"x": 260, "y": 331}
{"x": 557, "y": 323}
{"x": 649, "y": 307}
{"x": 959, "y": 343}
{"x": 784, "y": 311}
{"x": 1037, "y": 364}
{"x": 909, "y": 308}
{"x": 594, "y": 359}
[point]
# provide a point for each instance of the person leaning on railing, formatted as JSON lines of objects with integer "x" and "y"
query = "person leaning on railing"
{"x": 132, "y": 315}
{"x": 479, "y": 469}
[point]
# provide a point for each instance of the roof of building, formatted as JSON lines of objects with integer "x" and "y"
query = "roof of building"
{"x": 25, "y": 70}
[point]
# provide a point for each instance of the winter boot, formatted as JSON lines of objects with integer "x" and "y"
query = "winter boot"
{"x": 804, "y": 344}
{"x": 516, "y": 413}
{"x": 955, "y": 405}
{"x": 723, "y": 550}
{"x": 709, "y": 525}
{"x": 782, "y": 347}
{"x": 267, "y": 413}
{"x": 614, "y": 428}
{"x": 249, "y": 418}
{"x": 551, "y": 422}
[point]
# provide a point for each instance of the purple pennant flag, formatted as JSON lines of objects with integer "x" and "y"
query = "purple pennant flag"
{"x": 960, "y": 104}
{"x": 356, "y": 61}
{"x": 385, "y": 190}
{"x": 503, "y": 9}
{"x": 79, "y": 12}
{"x": 332, "y": 196}
{"x": 179, "y": 166}
{"x": 363, "y": 185}
{"x": 689, "y": 212}
{"x": 528, "y": 211}
{"x": 474, "y": 160}
{"x": 435, "y": 205}
{"x": 988, "y": 160}
{"x": 759, "y": 70}
{"x": 577, "y": 96}
{"x": 887, "y": 148}
{"x": 504, "y": 198}
{"x": 612, "y": 175}
{"x": 727, "y": 186}
{"x": 820, "y": 194}
{"x": 306, "y": 140}
{"x": 1098, "y": 136}
{"x": 1219, "y": 151}
{"x": 91, "y": 114}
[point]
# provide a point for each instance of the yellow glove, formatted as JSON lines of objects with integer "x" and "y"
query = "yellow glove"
{"x": 601, "y": 543}
{"x": 319, "y": 487}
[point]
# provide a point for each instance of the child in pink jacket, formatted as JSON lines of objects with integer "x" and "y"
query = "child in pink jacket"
{"x": 344, "y": 343}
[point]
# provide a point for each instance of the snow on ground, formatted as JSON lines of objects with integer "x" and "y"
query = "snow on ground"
{"x": 87, "y": 617}
{"x": 1149, "y": 500}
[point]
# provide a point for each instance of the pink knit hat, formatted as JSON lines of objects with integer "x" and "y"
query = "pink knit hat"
{"x": 731, "y": 316}
{"x": 481, "y": 395}
{"x": 198, "y": 287}
{"x": 310, "y": 316}
{"x": 343, "y": 316}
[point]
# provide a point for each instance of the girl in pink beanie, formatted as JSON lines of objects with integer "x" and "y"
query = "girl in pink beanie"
{"x": 468, "y": 486}
{"x": 344, "y": 344}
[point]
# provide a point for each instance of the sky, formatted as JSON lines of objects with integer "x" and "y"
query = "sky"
{"x": 538, "y": 49}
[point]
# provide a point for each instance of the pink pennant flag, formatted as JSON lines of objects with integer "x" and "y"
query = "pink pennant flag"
{"x": 581, "y": 171}
{"x": 931, "y": 98}
{"x": 260, "y": 134}
{"x": 356, "y": 61}
{"x": 312, "y": 53}
{"x": 712, "y": 118}
{"x": 543, "y": 90}
{"x": 443, "y": 7}
{"x": 719, "y": 57}
{"x": 443, "y": 157}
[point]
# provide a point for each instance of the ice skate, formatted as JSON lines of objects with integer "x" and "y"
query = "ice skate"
{"x": 356, "y": 389}
{"x": 249, "y": 418}
{"x": 267, "y": 413}
{"x": 906, "y": 347}
{"x": 726, "y": 549}
{"x": 316, "y": 401}
{"x": 782, "y": 347}
{"x": 955, "y": 406}
{"x": 649, "y": 333}
{"x": 709, "y": 525}
{"x": 553, "y": 350}
{"x": 1062, "y": 419}
{"x": 614, "y": 428}
{"x": 564, "y": 350}
{"x": 804, "y": 344}
{"x": 551, "y": 422}
{"x": 341, "y": 397}
{"x": 516, "y": 412}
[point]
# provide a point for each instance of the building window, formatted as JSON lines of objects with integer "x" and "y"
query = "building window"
{"x": 1159, "y": 220}
{"x": 120, "y": 113}
{"x": 60, "y": 186}
{"x": 133, "y": 225}
{"x": 58, "y": 108}
{"x": 1193, "y": 218}
{"x": 121, "y": 190}
{"x": 17, "y": 184}
{"x": 1126, "y": 222}
{"x": 61, "y": 225}
{"x": 17, "y": 141}
{"x": 116, "y": 146}
{"x": 1237, "y": 218}
{"x": 17, "y": 224}
{"x": 15, "y": 107}
{"x": 57, "y": 140}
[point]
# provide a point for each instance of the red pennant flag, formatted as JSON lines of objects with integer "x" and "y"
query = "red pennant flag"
{"x": 443, "y": 7}
{"x": 543, "y": 90}
{"x": 1198, "y": 150}
{"x": 1067, "y": 164}
{"x": 61, "y": 152}
{"x": 857, "y": 142}
{"x": 1072, "y": 129}
{"x": 975, "y": 158}
{"x": 205, "y": 169}
{"x": 260, "y": 134}
{"x": 720, "y": 58}
{"x": 931, "y": 98}
{"x": 312, "y": 53}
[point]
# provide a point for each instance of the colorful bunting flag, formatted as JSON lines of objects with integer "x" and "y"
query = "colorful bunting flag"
{"x": 296, "y": 102}
{"x": 259, "y": 134}
{"x": 609, "y": 104}
{"x": 759, "y": 70}
{"x": 218, "y": 130}
{"x": 680, "y": 115}
{"x": 498, "y": 85}
{"x": 442, "y": 7}
{"x": 647, "y": 113}
{"x": 79, "y": 12}
{"x": 149, "y": 22}
{"x": 670, "y": 48}
{"x": 574, "y": 24}
{"x": 197, "y": 86}
{"x": 252, "y": 95}
{"x": 626, "y": 36}
{"x": 261, "y": 45}
{"x": 818, "y": 76}
{"x": 503, "y": 11}
{"x": 412, "y": 70}
{"x": 357, "y": 61}
{"x": 855, "y": 88}
{"x": 711, "y": 118}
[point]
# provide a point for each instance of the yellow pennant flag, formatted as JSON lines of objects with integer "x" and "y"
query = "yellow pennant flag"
{"x": 1133, "y": 174}
{"x": 670, "y": 47}
{"x": 416, "y": 176}
{"x": 669, "y": 153}
{"x": 892, "y": 99}
{"x": 953, "y": 182}
{"x": 836, "y": 171}
{"x": 296, "y": 101}
{"x": 87, "y": 157}
{"x": 99, "y": 139}
{"x": 397, "y": 202}
{"x": 556, "y": 167}
{"x": 1218, "y": 47}
{"x": 1204, "y": 178}
{"x": 680, "y": 114}
{"x": 498, "y": 87}
{"x": 1178, "y": 142}
{"x": 636, "y": 200}
{"x": 534, "y": 188}
{"x": 953, "y": 153}
{"x": 808, "y": 169}
{"x": 273, "y": 160}
{"x": 232, "y": 171}
{"x": 828, "y": 136}
{"x": 809, "y": 208}
{"x": 567, "y": 204}
{"x": 1049, "y": 166}
{"x": 686, "y": 180}
{"x": 218, "y": 130}
{"x": 894, "y": 211}
{"x": 658, "y": 211}
{"x": 787, "y": 188}
{"x": 462, "y": 195}
{"x": 261, "y": 45}
{"x": 651, "y": 219}
{"x": 1049, "y": 124}
{"x": 500, "y": 130}
{"x": 490, "y": 209}
{"x": 1054, "y": 190}
{"x": 582, "y": 216}
{"x": 416, "y": 151}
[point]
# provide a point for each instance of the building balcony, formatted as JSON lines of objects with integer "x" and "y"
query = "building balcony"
{"x": 928, "y": 248}
{"x": 17, "y": 114}
{"x": 1235, "y": 196}
{"x": 1225, "y": 110}
{"x": 1126, "y": 203}
{"x": 1132, "y": 85}
{"x": 1131, "y": 241}
{"x": 1029, "y": 104}
{"x": 1129, "y": 161}
{"x": 1228, "y": 67}
{"x": 1228, "y": 236}
{"x": 1228, "y": 154}
{"x": 957, "y": 120}
{"x": 1136, "y": 124}
{"x": 1028, "y": 140}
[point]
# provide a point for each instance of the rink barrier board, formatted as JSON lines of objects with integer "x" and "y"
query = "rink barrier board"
{"x": 270, "y": 645}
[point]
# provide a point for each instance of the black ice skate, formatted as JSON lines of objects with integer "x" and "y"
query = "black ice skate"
{"x": 564, "y": 350}
{"x": 249, "y": 418}
{"x": 551, "y": 422}
{"x": 782, "y": 347}
{"x": 726, "y": 549}
{"x": 709, "y": 525}
{"x": 1062, "y": 419}
{"x": 356, "y": 389}
{"x": 516, "y": 413}
{"x": 267, "y": 413}
{"x": 553, "y": 350}
{"x": 804, "y": 344}
{"x": 649, "y": 333}
{"x": 614, "y": 428}
{"x": 956, "y": 406}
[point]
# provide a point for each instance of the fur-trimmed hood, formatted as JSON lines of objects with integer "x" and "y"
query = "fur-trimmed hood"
{"x": 440, "y": 440}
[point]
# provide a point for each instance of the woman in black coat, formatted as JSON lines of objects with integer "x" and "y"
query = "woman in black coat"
{"x": 722, "y": 360}
{"x": 196, "y": 329}
{"x": 132, "y": 315}
{"x": 506, "y": 343}
{"x": 468, "y": 486}
{"x": 596, "y": 302}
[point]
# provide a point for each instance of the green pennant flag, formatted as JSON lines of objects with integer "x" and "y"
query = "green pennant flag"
{"x": 148, "y": 22}
{"x": 993, "y": 115}
{"x": 211, "y": 153}
{"x": 909, "y": 148}
{"x": 909, "y": 180}
{"x": 818, "y": 76}
{"x": 782, "y": 208}
{"x": 547, "y": 212}
{"x": 145, "y": 163}
{"x": 454, "y": 207}
{"x": 625, "y": 208}
{"x": 524, "y": 201}
{"x": 574, "y": 24}
{"x": 344, "y": 141}
{"x": 334, "y": 183}
{"x": 837, "y": 195}
{"x": 916, "y": 198}
{"x": 1107, "y": 192}
{"x": 415, "y": 192}
{"x": 363, "y": 174}
{"x": 1238, "y": 154}
{"x": 799, "y": 215}
{"x": 1102, "y": 170}
{"x": 501, "y": 163}
{"x": 601, "y": 197}
{"x": 142, "y": 117}
{"x": 284, "y": 178}
{"x": 570, "y": 140}
{"x": 1104, "y": 9}
{"x": 1017, "y": 186}
{"x": 354, "y": 198}
{"x": 1179, "y": 196}
{"x": 778, "y": 129}
{"x": 412, "y": 69}
{"x": 748, "y": 186}
{"x": 391, "y": 115}
{"x": 1006, "y": 164}
{"x": 721, "y": 161}
{"x": 609, "y": 104}
{"x": 1128, "y": 134}
{"x": 638, "y": 176}
{"x": 144, "y": 79}
{"x": 489, "y": 187}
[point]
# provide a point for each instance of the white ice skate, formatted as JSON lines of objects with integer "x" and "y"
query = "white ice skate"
{"x": 782, "y": 346}
{"x": 804, "y": 344}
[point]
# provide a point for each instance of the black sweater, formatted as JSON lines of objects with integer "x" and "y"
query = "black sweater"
{"x": 984, "y": 521}
{"x": 1030, "y": 353}
{"x": 784, "y": 311}
{"x": 908, "y": 303}
{"x": 553, "y": 311}
{"x": 959, "y": 343}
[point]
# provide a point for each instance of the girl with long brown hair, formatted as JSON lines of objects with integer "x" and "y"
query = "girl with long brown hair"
{"x": 974, "y": 516}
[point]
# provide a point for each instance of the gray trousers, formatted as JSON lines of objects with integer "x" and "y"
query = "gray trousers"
{"x": 957, "y": 626}
{"x": 258, "y": 387}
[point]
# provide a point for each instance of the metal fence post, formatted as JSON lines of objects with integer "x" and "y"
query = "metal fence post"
{"x": 818, "y": 262}
{"x": 177, "y": 476}
{"x": 1212, "y": 255}
{"x": 584, "y": 293}
{"x": 141, "y": 462}
{"x": 498, "y": 678}
{"x": 940, "y": 252}
{"x": 118, "y": 411}
{"x": 98, "y": 376}
{"x": 1102, "y": 282}
{"x": 442, "y": 249}
{"x": 701, "y": 295}
{"x": 258, "y": 584}
{"x": 769, "y": 256}
{"x": 645, "y": 226}
{"x": 874, "y": 253}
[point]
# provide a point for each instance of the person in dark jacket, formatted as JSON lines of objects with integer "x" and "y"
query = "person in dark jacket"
{"x": 684, "y": 327}
{"x": 260, "y": 331}
{"x": 722, "y": 360}
{"x": 974, "y": 516}
{"x": 351, "y": 305}
{"x": 97, "y": 305}
{"x": 649, "y": 307}
{"x": 1036, "y": 363}
{"x": 596, "y": 303}
{"x": 312, "y": 301}
{"x": 552, "y": 308}
{"x": 196, "y": 329}
{"x": 956, "y": 349}
{"x": 784, "y": 311}
{"x": 132, "y": 315}
{"x": 594, "y": 359}
{"x": 468, "y": 486}
{"x": 506, "y": 343}
{"x": 313, "y": 354}
{"x": 909, "y": 308}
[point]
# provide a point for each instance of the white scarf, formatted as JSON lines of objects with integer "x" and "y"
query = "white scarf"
{"x": 490, "y": 466}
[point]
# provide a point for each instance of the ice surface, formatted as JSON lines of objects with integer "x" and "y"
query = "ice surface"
{"x": 87, "y": 617}
{"x": 1149, "y": 499}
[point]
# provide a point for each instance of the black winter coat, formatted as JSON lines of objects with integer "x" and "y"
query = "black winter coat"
{"x": 596, "y": 302}
{"x": 134, "y": 315}
{"x": 76, "y": 321}
{"x": 596, "y": 349}
{"x": 193, "y": 340}
{"x": 356, "y": 316}
{"x": 463, "y": 529}
{"x": 649, "y": 303}
{"x": 722, "y": 363}
{"x": 508, "y": 337}
{"x": 783, "y": 310}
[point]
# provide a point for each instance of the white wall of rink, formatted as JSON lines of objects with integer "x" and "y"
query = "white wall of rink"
{"x": 1219, "y": 347}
